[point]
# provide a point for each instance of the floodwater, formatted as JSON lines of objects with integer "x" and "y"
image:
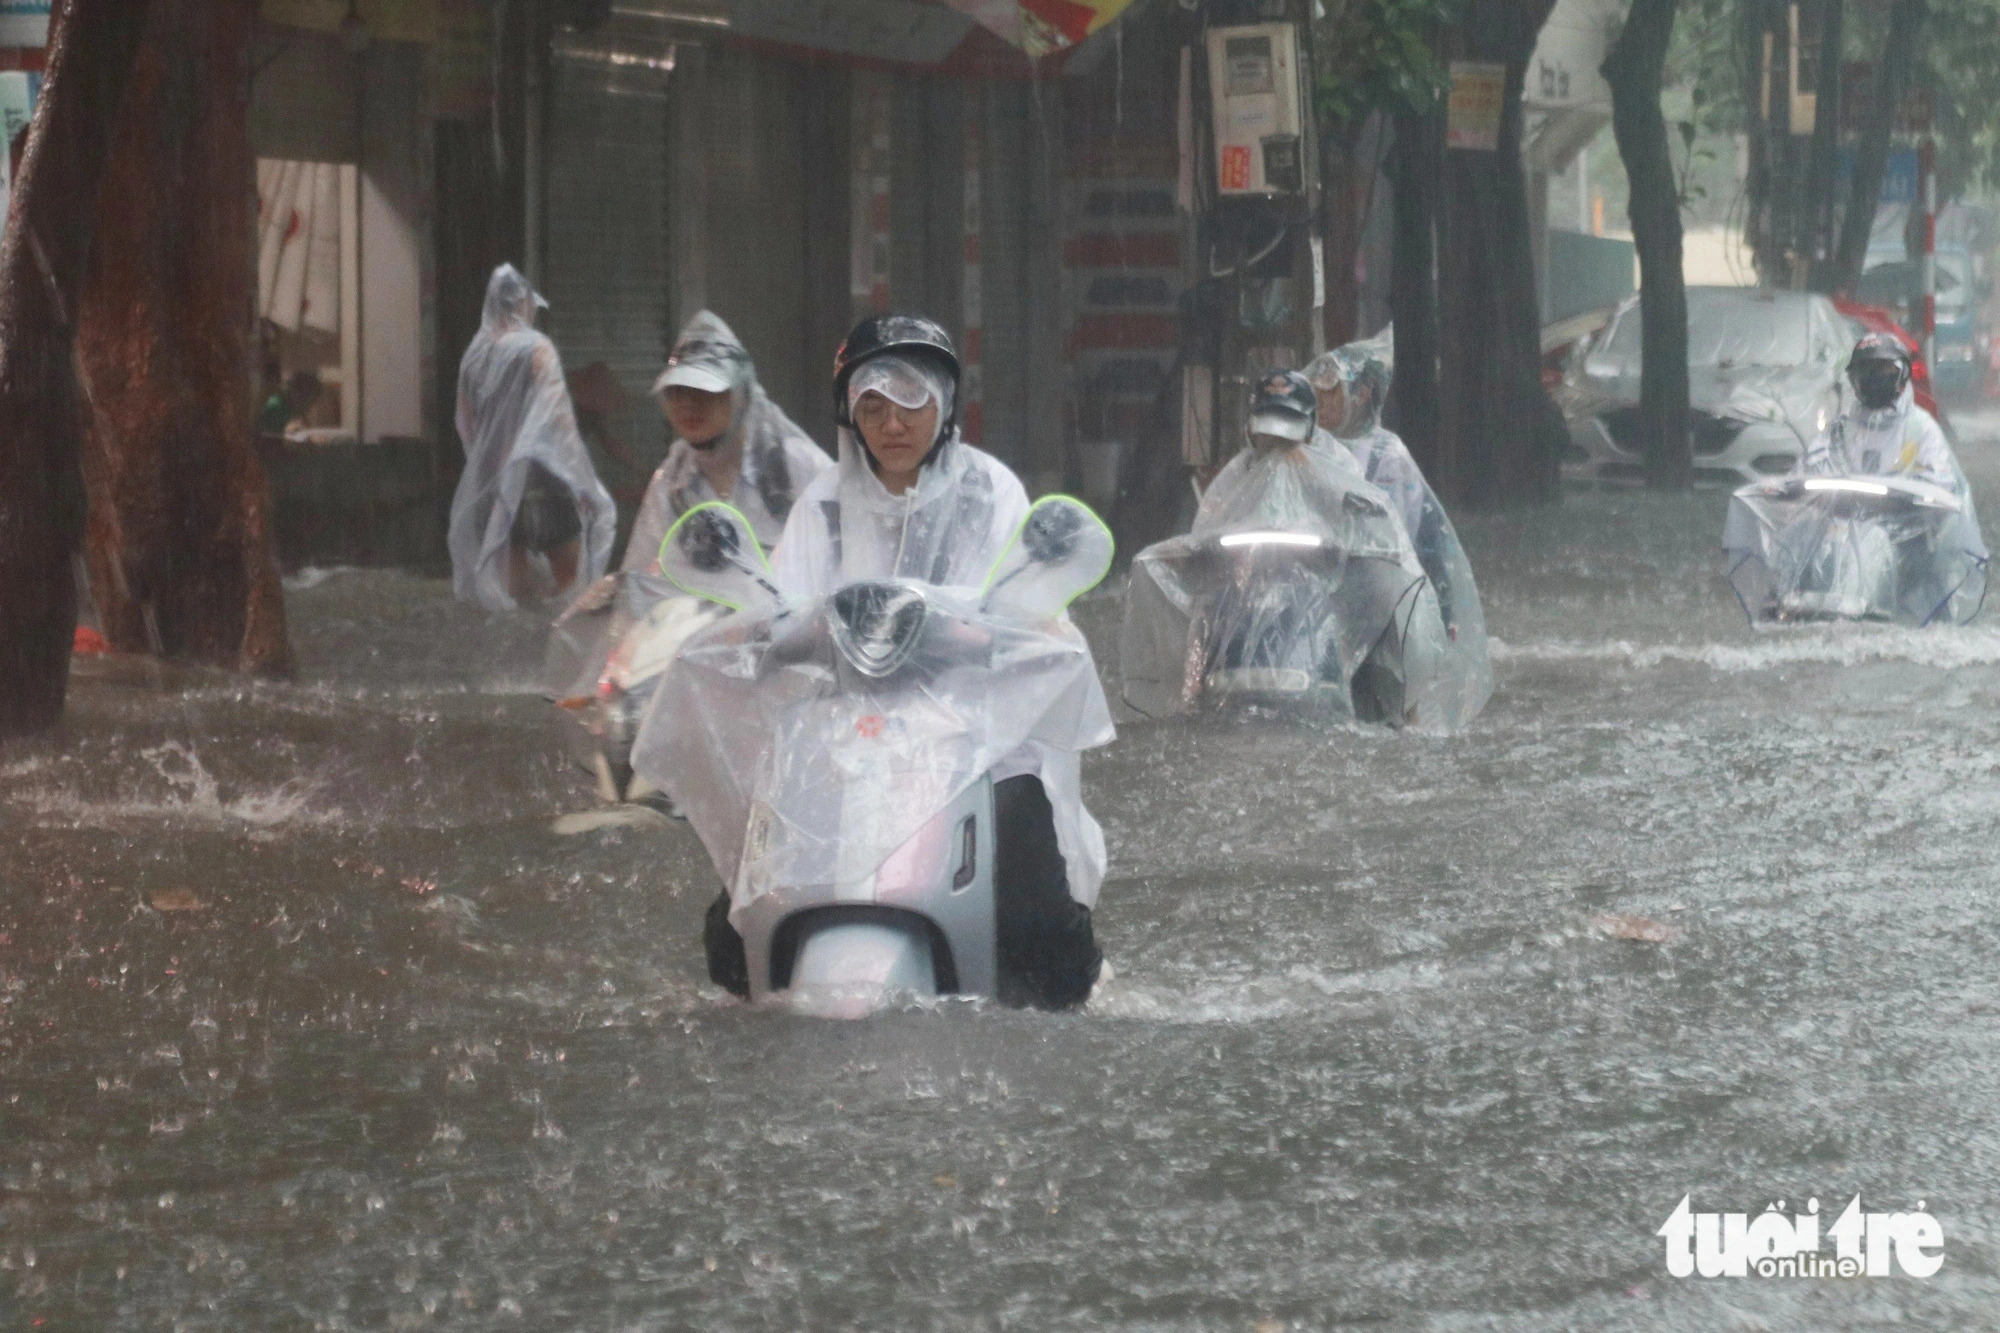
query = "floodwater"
{"x": 308, "y": 1020}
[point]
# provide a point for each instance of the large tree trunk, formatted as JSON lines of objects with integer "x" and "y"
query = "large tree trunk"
{"x": 42, "y": 265}
{"x": 1822, "y": 158}
{"x": 1500, "y": 435}
{"x": 1871, "y": 154}
{"x": 1752, "y": 22}
{"x": 1413, "y": 299}
{"x": 1350, "y": 173}
{"x": 1633, "y": 69}
{"x": 180, "y": 548}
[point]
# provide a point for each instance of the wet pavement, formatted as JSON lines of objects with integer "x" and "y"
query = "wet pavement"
{"x": 308, "y": 1019}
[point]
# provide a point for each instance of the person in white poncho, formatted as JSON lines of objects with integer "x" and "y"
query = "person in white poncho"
{"x": 909, "y": 499}
{"x": 1352, "y": 382}
{"x": 528, "y": 488}
{"x": 1884, "y": 432}
{"x": 731, "y": 443}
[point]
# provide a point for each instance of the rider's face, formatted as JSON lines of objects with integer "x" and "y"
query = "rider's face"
{"x": 897, "y": 437}
{"x": 696, "y": 415}
{"x": 1332, "y": 407}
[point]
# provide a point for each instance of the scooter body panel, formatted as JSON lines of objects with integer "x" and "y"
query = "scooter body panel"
{"x": 935, "y": 892}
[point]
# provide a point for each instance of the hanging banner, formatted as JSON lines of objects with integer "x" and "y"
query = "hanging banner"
{"x": 1478, "y": 96}
{"x": 24, "y": 22}
{"x": 1040, "y": 27}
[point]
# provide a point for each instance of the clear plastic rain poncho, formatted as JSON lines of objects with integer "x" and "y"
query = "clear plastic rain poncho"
{"x": 514, "y": 413}
{"x": 779, "y": 461}
{"x": 808, "y": 738}
{"x": 1363, "y": 371}
{"x": 946, "y": 530}
{"x": 1878, "y": 525}
{"x": 1299, "y": 581}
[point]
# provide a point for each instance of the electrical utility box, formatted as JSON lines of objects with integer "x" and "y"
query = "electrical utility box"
{"x": 1254, "y": 87}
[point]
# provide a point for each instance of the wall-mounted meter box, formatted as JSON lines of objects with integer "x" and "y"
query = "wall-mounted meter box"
{"x": 1253, "y": 81}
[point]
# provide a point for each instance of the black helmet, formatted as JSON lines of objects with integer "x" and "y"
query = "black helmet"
{"x": 905, "y": 335}
{"x": 1283, "y": 404}
{"x": 1879, "y": 370}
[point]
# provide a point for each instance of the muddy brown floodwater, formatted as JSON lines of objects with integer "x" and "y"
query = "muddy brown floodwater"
{"x": 308, "y": 1020}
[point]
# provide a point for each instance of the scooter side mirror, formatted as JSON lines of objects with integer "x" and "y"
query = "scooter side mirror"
{"x": 1061, "y": 551}
{"x": 711, "y": 552}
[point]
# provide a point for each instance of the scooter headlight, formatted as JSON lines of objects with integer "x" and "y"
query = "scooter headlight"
{"x": 876, "y": 626}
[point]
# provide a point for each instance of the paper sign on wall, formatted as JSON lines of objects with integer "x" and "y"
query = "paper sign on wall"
{"x": 1478, "y": 96}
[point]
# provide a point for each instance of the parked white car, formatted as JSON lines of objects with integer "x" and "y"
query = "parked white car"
{"x": 1765, "y": 376}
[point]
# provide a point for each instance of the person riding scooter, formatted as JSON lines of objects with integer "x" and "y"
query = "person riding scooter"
{"x": 1883, "y": 432}
{"x": 732, "y": 443}
{"x": 911, "y": 502}
{"x": 1353, "y": 386}
{"x": 1878, "y": 522}
{"x": 1296, "y": 585}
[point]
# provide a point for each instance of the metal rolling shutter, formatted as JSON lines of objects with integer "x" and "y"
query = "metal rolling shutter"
{"x": 606, "y": 271}
{"x": 755, "y": 128}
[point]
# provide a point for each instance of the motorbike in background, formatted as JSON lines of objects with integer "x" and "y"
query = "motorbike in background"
{"x": 1882, "y": 548}
{"x": 1333, "y": 615}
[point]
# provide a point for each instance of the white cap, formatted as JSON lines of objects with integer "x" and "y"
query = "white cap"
{"x": 693, "y": 375}
{"x": 705, "y": 358}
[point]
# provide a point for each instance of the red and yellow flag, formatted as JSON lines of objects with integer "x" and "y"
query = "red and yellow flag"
{"x": 1040, "y": 27}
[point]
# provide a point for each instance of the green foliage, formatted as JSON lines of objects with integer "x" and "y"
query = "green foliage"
{"x": 1686, "y": 189}
{"x": 1959, "y": 58}
{"x": 1707, "y": 59}
{"x": 1376, "y": 55}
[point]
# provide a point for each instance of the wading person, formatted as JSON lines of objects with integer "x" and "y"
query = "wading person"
{"x": 528, "y": 489}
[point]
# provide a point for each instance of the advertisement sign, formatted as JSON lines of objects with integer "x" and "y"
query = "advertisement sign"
{"x": 1478, "y": 95}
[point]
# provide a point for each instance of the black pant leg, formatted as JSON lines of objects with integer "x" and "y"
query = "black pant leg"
{"x": 727, "y": 967}
{"x": 1048, "y": 955}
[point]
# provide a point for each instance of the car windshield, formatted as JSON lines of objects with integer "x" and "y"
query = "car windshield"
{"x": 1726, "y": 329}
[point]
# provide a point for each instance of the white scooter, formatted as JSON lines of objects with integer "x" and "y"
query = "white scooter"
{"x": 836, "y": 756}
{"x": 604, "y": 663}
{"x": 1285, "y": 616}
{"x": 1854, "y": 548}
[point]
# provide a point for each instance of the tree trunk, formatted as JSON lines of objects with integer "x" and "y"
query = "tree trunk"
{"x": 1752, "y": 23}
{"x": 1500, "y": 436}
{"x": 180, "y": 548}
{"x": 1344, "y": 179}
{"x": 1816, "y": 218}
{"x": 43, "y": 260}
{"x": 1413, "y": 297}
{"x": 1871, "y": 154}
{"x": 1633, "y": 69}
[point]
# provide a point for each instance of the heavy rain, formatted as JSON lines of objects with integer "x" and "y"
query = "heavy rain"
{"x": 479, "y": 861}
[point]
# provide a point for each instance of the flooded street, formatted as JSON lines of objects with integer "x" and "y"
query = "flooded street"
{"x": 308, "y": 1019}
